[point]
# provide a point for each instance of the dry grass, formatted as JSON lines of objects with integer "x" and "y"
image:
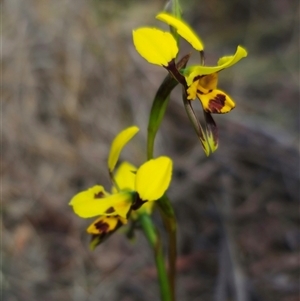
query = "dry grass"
{"x": 71, "y": 80}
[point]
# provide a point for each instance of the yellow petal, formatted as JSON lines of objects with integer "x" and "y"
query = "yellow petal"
{"x": 105, "y": 224}
{"x": 125, "y": 177}
{"x": 153, "y": 178}
{"x": 154, "y": 45}
{"x": 183, "y": 30}
{"x": 95, "y": 192}
{"x": 217, "y": 102}
{"x": 202, "y": 85}
{"x": 117, "y": 145}
{"x": 191, "y": 72}
{"x": 192, "y": 90}
{"x": 209, "y": 81}
{"x": 87, "y": 205}
{"x": 103, "y": 228}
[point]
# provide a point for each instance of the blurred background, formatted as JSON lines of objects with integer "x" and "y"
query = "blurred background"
{"x": 71, "y": 80}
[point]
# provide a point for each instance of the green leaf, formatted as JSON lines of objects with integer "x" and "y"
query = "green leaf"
{"x": 158, "y": 110}
{"x": 160, "y": 104}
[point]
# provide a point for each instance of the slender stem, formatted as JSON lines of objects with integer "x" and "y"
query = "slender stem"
{"x": 176, "y": 9}
{"x": 176, "y": 12}
{"x": 159, "y": 105}
{"x": 155, "y": 242}
{"x": 169, "y": 219}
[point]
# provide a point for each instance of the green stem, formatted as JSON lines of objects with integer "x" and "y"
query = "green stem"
{"x": 176, "y": 12}
{"x": 158, "y": 109}
{"x": 155, "y": 242}
{"x": 176, "y": 9}
{"x": 169, "y": 219}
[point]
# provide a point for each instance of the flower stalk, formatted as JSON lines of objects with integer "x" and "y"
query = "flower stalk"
{"x": 169, "y": 219}
{"x": 154, "y": 240}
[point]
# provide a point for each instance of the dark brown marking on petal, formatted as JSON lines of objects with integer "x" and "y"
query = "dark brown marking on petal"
{"x": 138, "y": 202}
{"x": 97, "y": 239}
{"x": 102, "y": 227}
{"x": 199, "y": 92}
{"x": 110, "y": 210}
{"x": 197, "y": 77}
{"x": 99, "y": 195}
{"x": 216, "y": 104}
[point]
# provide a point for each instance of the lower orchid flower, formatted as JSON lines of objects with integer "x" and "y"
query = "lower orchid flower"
{"x": 132, "y": 187}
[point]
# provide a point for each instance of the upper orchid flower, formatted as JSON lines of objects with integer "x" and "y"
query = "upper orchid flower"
{"x": 160, "y": 48}
{"x": 132, "y": 188}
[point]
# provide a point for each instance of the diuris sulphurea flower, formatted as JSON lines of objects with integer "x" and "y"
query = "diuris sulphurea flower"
{"x": 160, "y": 48}
{"x": 133, "y": 188}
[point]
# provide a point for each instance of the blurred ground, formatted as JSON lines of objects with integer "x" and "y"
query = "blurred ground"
{"x": 71, "y": 80}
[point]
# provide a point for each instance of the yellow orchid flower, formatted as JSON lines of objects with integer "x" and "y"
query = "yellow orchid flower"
{"x": 199, "y": 81}
{"x": 151, "y": 181}
{"x": 132, "y": 188}
{"x": 104, "y": 226}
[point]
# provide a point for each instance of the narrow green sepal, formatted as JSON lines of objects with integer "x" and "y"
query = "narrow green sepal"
{"x": 211, "y": 132}
{"x": 195, "y": 122}
{"x": 95, "y": 241}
